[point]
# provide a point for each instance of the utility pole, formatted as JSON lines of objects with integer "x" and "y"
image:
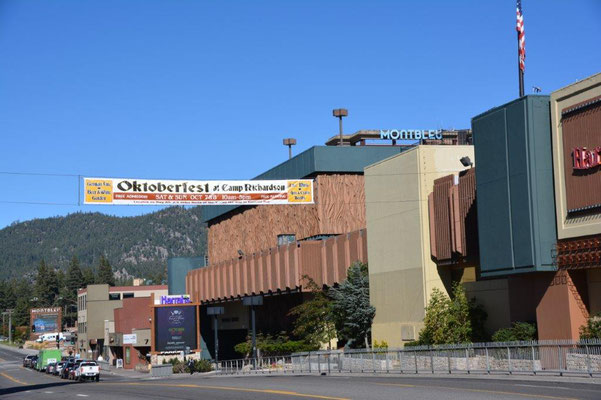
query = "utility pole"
{"x": 10, "y": 325}
{"x": 254, "y": 330}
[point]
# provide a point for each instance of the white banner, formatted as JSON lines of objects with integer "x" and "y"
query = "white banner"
{"x": 130, "y": 339}
{"x": 111, "y": 191}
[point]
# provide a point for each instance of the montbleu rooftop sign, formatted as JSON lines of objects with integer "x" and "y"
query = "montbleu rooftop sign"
{"x": 410, "y": 134}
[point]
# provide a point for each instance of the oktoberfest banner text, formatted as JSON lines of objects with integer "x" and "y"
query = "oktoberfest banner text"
{"x": 111, "y": 191}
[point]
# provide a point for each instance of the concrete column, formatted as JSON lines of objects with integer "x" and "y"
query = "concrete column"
{"x": 563, "y": 308}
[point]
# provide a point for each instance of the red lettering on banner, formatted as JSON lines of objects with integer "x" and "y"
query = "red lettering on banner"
{"x": 585, "y": 159}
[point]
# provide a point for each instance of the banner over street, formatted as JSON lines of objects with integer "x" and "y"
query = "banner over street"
{"x": 123, "y": 191}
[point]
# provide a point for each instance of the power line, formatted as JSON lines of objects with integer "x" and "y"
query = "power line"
{"x": 37, "y": 174}
{"x": 45, "y": 203}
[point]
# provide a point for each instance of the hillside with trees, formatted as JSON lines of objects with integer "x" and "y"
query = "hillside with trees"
{"x": 134, "y": 246}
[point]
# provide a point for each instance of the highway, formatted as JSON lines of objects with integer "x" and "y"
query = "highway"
{"x": 17, "y": 382}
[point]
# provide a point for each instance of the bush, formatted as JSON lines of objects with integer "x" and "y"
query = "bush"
{"x": 452, "y": 320}
{"x": 592, "y": 329}
{"x": 21, "y": 334}
{"x": 380, "y": 345}
{"x": 203, "y": 366}
{"x": 519, "y": 332}
{"x": 270, "y": 346}
{"x": 180, "y": 367}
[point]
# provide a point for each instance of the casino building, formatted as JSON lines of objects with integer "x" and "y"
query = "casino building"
{"x": 518, "y": 225}
{"x": 268, "y": 250}
{"x": 575, "y": 292}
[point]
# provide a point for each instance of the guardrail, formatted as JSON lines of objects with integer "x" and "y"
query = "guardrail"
{"x": 549, "y": 357}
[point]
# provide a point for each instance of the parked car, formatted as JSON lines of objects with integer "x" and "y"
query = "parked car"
{"x": 66, "y": 369}
{"x": 73, "y": 372}
{"x": 27, "y": 360}
{"x": 50, "y": 367}
{"x": 59, "y": 368}
{"x": 33, "y": 362}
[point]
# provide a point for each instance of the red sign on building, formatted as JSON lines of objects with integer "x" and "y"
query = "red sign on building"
{"x": 586, "y": 159}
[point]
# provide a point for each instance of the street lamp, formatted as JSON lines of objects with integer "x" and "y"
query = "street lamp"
{"x": 251, "y": 301}
{"x": 340, "y": 113}
{"x": 289, "y": 142}
{"x": 466, "y": 161}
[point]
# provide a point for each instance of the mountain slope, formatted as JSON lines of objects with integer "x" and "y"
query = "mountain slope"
{"x": 139, "y": 244}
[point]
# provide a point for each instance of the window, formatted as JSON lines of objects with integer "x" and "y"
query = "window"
{"x": 128, "y": 295}
{"x": 286, "y": 238}
{"x": 114, "y": 296}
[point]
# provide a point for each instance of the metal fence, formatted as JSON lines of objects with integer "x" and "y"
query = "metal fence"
{"x": 550, "y": 357}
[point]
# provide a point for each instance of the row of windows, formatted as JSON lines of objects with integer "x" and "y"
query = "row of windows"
{"x": 118, "y": 296}
{"x": 81, "y": 302}
{"x": 82, "y": 327}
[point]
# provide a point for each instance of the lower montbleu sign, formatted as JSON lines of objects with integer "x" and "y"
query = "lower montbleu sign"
{"x": 410, "y": 134}
{"x": 111, "y": 191}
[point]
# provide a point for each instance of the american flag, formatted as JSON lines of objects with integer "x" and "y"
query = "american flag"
{"x": 521, "y": 36}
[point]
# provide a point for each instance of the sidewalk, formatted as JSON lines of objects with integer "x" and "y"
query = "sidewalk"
{"x": 133, "y": 374}
{"x": 539, "y": 377}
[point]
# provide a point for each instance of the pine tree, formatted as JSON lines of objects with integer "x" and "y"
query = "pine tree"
{"x": 21, "y": 303}
{"x": 351, "y": 310}
{"x": 42, "y": 292}
{"x": 313, "y": 317}
{"x": 52, "y": 281}
{"x": 89, "y": 277}
{"x": 105, "y": 272}
{"x": 74, "y": 279}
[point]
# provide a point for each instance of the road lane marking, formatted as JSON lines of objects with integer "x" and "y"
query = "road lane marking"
{"x": 546, "y": 387}
{"x": 82, "y": 395}
{"x": 538, "y": 396}
{"x": 270, "y": 391}
{"x": 12, "y": 379}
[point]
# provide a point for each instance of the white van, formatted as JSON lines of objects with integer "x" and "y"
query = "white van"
{"x": 50, "y": 337}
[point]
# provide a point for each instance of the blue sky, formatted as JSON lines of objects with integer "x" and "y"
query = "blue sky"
{"x": 208, "y": 89}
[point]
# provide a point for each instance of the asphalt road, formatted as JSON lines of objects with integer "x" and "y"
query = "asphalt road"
{"x": 17, "y": 382}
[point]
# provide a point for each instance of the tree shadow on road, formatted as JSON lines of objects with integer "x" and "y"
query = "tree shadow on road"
{"x": 17, "y": 389}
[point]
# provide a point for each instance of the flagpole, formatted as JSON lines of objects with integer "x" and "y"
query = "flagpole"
{"x": 521, "y": 45}
{"x": 520, "y": 71}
